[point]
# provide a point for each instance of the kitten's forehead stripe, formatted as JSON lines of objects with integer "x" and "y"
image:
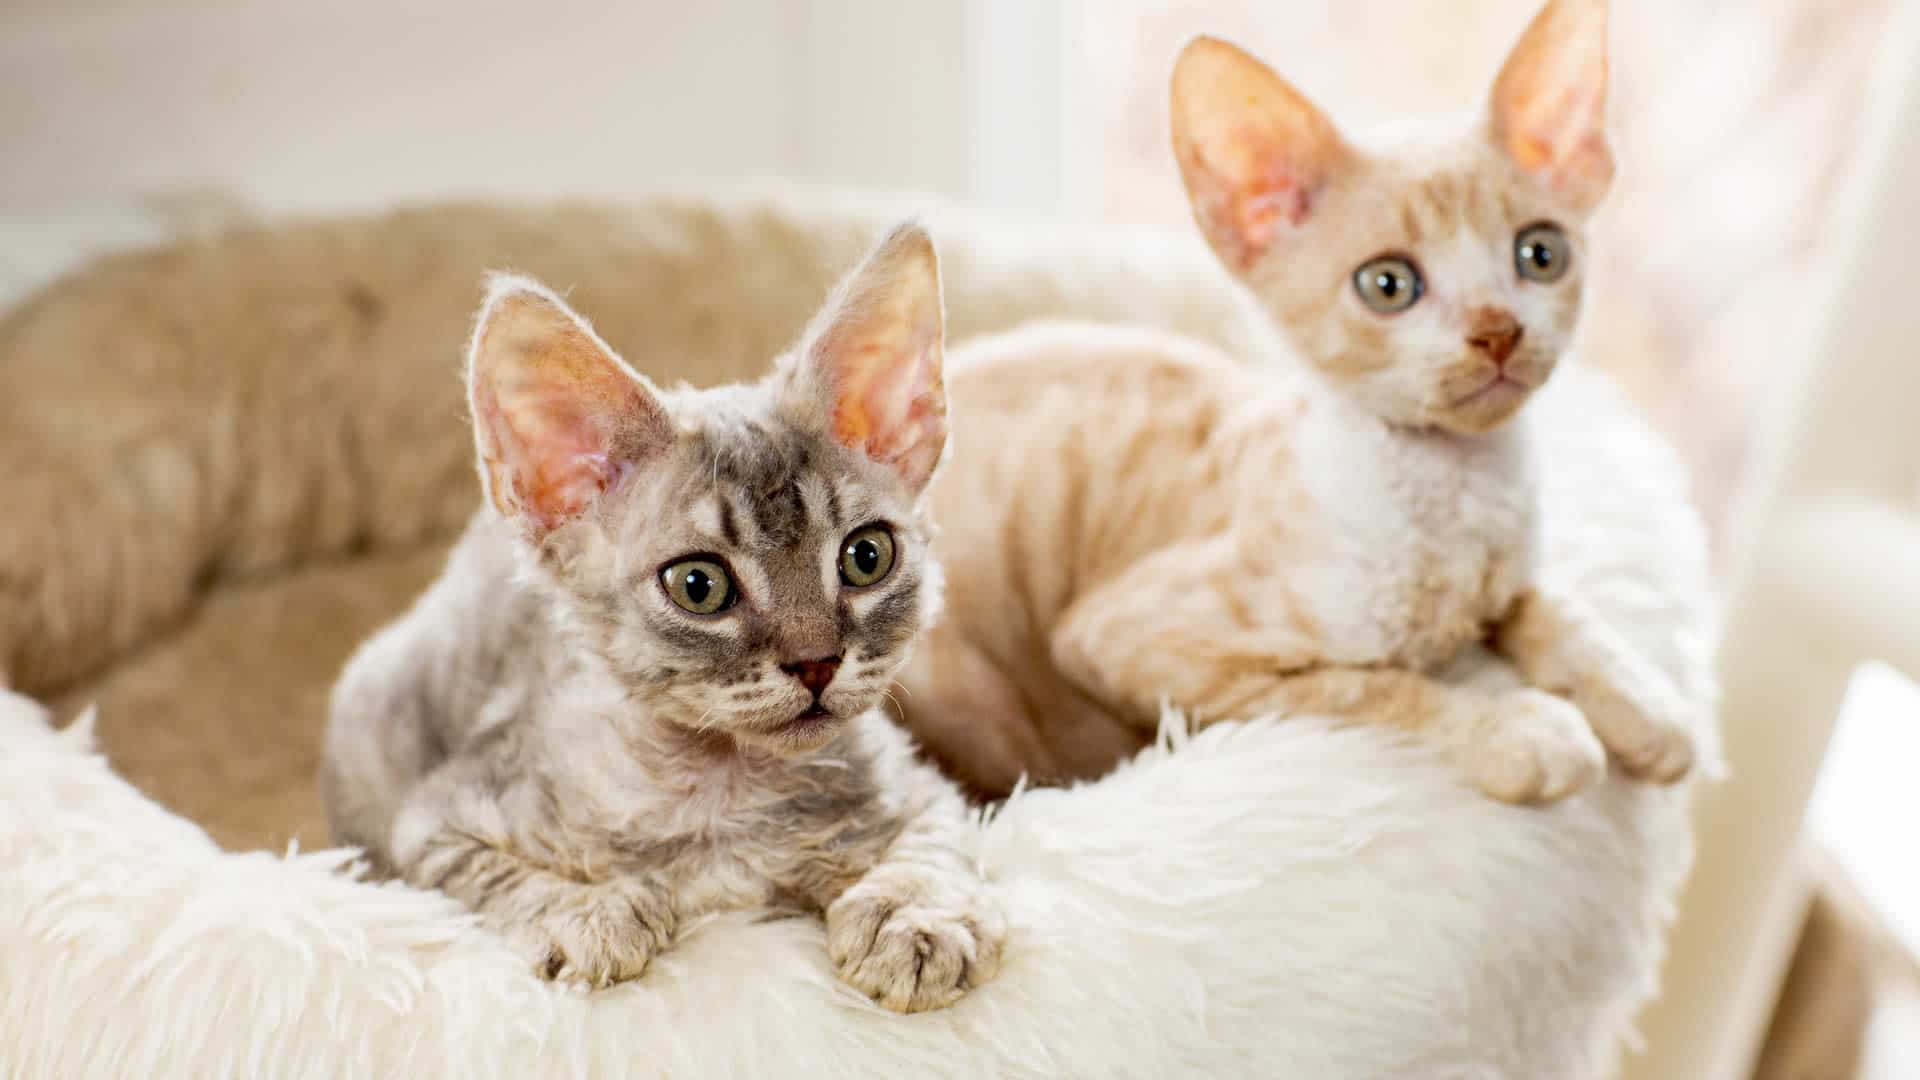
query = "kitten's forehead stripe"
{"x": 763, "y": 471}
{"x": 780, "y": 515}
{"x": 833, "y": 504}
{"x": 1450, "y": 202}
{"x": 1410, "y": 224}
{"x": 1508, "y": 211}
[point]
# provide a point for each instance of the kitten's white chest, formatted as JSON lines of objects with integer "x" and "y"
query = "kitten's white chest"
{"x": 1423, "y": 540}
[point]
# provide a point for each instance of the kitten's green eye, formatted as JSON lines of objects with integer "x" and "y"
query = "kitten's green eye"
{"x": 1542, "y": 253}
{"x": 1388, "y": 284}
{"x": 866, "y": 556}
{"x": 698, "y": 585}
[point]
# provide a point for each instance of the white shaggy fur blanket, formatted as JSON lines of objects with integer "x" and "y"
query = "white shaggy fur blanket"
{"x": 1274, "y": 899}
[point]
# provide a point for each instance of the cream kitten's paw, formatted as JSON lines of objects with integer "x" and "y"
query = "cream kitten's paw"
{"x": 1535, "y": 748}
{"x": 1643, "y": 728}
{"x": 915, "y": 939}
{"x": 593, "y": 936}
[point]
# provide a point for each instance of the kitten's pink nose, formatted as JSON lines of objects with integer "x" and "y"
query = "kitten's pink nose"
{"x": 813, "y": 674}
{"x": 1495, "y": 332}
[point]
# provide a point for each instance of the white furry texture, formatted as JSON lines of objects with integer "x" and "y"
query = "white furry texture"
{"x": 1276, "y": 899}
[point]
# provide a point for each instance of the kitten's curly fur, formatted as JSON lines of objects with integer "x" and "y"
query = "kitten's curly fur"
{"x": 551, "y": 737}
{"x": 1321, "y": 538}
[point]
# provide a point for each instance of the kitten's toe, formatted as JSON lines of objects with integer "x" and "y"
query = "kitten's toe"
{"x": 1536, "y": 748}
{"x": 1670, "y": 761}
{"x": 1647, "y": 737}
{"x": 1662, "y": 754}
{"x": 595, "y": 940}
{"x": 914, "y": 945}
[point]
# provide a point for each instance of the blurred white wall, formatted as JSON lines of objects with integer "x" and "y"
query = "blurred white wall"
{"x": 359, "y": 102}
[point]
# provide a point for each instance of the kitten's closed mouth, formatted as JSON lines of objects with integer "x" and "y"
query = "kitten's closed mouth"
{"x": 1499, "y": 387}
{"x": 807, "y": 723}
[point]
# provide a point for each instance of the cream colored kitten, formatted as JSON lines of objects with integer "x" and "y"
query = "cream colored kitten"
{"x": 1132, "y": 520}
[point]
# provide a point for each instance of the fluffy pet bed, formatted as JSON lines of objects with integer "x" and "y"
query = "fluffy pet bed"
{"x": 1268, "y": 898}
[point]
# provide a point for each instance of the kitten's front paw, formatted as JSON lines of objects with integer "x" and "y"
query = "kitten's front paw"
{"x": 1644, "y": 730}
{"x": 914, "y": 940}
{"x": 593, "y": 936}
{"x": 1535, "y": 748}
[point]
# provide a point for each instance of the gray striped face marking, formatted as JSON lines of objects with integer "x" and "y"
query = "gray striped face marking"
{"x": 766, "y": 481}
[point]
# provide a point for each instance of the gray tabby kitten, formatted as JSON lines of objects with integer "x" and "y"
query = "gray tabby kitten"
{"x": 644, "y": 689}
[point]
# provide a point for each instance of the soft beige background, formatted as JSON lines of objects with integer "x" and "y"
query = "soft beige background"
{"x": 304, "y": 106}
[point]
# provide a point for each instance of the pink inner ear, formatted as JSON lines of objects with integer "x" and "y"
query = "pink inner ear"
{"x": 1255, "y": 153}
{"x": 1243, "y": 214}
{"x": 1558, "y": 130}
{"x": 553, "y": 455}
{"x": 558, "y": 419}
{"x": 888, "y": 405}
{"x": 876, "y": 362}
{"x": 1549, "y": 103}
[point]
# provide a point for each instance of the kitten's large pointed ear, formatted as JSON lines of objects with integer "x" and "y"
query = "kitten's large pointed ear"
{"x": 1253, "y": 151}
{"x": 873, "y": 358}
{"x": 557, "y": 417}
{"x": 1549, "y": 109}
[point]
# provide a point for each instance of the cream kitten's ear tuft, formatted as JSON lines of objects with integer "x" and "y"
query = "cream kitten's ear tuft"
{"x": 1550, "y": 101}
{"x": 1253, "y": 151}
{"x": 874, "y": 358}
{"x": 557, "y": 417}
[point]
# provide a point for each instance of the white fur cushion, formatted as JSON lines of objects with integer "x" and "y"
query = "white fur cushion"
{"x": 1267, "y": 899}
